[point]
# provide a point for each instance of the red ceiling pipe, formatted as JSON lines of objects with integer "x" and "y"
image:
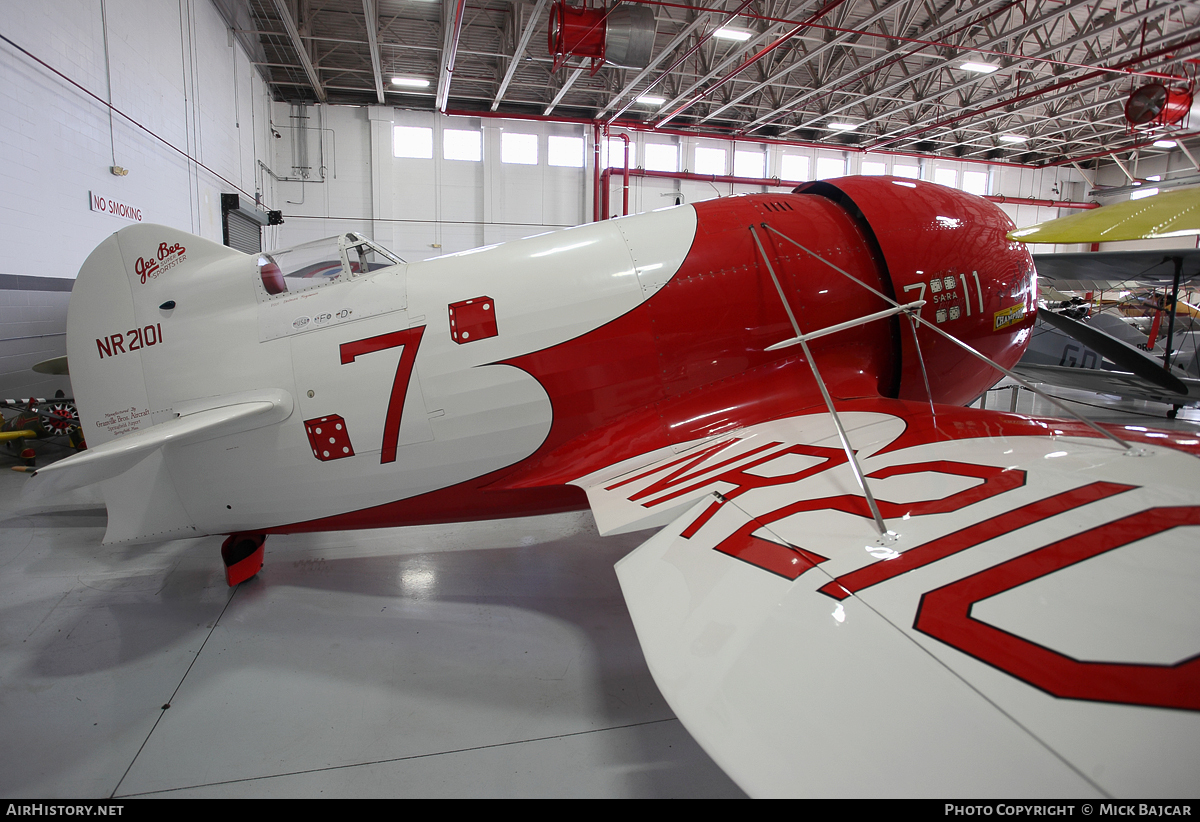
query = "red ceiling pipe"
{"x": 596, "y": 172}
{"x": 1000, "y": 198}
{"x": 625, "y": 177}
{"x": 775, "y": 182}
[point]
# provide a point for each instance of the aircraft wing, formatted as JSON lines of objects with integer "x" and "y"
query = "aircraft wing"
{"x": 1030, "y": 631}
{"x": 1109, "y": 270}
{"x": 1103, "y": 381}
{"x": 1169, "y": 214}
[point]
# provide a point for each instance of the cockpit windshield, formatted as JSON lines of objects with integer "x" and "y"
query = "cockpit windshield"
{"x": 320, "y": 262}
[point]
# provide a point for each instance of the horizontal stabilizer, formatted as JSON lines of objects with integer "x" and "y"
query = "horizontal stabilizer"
{"x": 201, "y": 420}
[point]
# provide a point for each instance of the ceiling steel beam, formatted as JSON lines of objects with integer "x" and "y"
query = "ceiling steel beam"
{"x": 944, "y": 64}
{"x": 1115, "y": 25}
{"x": 372, "y": 20}
{"x": 1054, "y": 87}
{"x": 520, "y": 50}
{"x": 763, "y": 52}
{"x": 449, "y": 52}
{"x": 562, "y": 91}
{"x": 1065, "y": 67}
{"x": 285, "y": 16}
{"x": 874, "y": 65}
{"x": 805, "y": 60}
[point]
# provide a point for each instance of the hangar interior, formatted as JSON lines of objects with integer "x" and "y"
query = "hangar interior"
{"x": 477, "y": 659}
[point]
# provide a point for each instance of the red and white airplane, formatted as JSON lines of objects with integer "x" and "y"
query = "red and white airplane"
{"x": 860, "y": 587}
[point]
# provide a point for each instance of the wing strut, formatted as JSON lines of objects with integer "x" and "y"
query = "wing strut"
{"x": 833, "y": 329}
{"x": 969, "y": 349}
{"x": 802, "y": 339}
{"x": 1174, "y": 310}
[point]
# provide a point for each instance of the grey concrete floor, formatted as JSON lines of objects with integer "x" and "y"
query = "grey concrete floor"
{"x": 482, "y": 660}
{"x": 486, "y": 660}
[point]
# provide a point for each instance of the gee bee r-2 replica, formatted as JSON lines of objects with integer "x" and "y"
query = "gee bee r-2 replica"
{"x": 860, "y": 587}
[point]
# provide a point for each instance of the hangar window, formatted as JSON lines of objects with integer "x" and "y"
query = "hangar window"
{"x": 828, "y": 167}
{"x": 873, "y": 169}
{"x": 749, "y": 164}
{"x": 911, "y": 172}
{"x": 662, "y": 157}
{"x": 945, "y": 177}
{"x": 565, "y": 151}
{"x": 795, "y": 167}
{"x": 614, "y": 153}
{"x": 710, "y": 160}
{"x": 458, "y": 144}
{"x": 412, "y": 141}
{"x": 321, "y": 262}
{"x": 975, "y": 182}
{"x": 521, "y": 149}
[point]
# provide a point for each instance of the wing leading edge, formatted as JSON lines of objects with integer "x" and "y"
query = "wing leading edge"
{"x": 1030, "y": 632}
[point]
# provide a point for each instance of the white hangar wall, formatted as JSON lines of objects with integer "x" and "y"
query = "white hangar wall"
{"x": 193, "y": 100}
{"x": 431, "y": 204}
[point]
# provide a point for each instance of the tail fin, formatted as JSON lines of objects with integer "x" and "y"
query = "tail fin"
{"x": 137, "y": 304}
{"x": 118, "y": 314}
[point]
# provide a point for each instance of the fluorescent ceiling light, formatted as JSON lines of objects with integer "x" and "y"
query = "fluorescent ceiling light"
{"x": 1013, "y": 138}
{"x": 651, "y": 100}
{"x": 843, "y": 126}
{"x": 410, "y": 82}
{"x": 982, "y": 68}
{"x": 732, "y": 34}
{"x": 1164, "y": 144}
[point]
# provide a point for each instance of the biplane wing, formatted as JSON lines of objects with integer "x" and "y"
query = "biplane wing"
{"x": 1113, "y": 270}
{"x": 1165, "y": 215}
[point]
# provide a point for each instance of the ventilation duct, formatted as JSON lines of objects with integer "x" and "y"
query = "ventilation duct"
{"x": 623, "y": 36}
{"x": 1156, "y": 105}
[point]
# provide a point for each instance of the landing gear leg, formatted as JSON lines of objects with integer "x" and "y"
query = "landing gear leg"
{"x": 243, "y": 556}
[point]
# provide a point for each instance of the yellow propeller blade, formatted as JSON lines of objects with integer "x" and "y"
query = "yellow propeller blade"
{"x": 1170, "y": 214}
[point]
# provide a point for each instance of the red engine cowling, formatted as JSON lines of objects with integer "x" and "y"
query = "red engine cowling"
{"x": 950, "y": 249}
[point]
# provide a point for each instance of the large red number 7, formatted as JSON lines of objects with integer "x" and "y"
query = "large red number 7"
{"x": 410, "y": 338}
